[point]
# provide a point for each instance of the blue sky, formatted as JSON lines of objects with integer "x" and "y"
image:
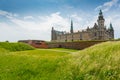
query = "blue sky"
{"x": 33, "y": 19}
{"x": 47, "y": 6}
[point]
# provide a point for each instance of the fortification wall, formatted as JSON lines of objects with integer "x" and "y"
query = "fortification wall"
{"x": 73, "y": 45}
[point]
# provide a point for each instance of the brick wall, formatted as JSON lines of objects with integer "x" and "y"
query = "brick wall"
{"x": 35, "y": 43}
{"x": 73, "y": 45}
{"x": 41, "y": 45}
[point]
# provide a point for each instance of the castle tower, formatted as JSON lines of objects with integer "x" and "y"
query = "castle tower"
{"x": 71, "y": 29}
{"x": 101, "y": 20}
{"x": 101, "y": 26}
{"x": 53, "y": 34}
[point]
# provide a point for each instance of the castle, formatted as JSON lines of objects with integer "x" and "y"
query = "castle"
{"x": 97, "y": 32}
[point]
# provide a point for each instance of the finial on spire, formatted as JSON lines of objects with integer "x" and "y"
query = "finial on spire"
{"x": 100, "y": 13}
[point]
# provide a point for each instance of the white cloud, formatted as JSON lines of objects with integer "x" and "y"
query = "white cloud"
{"x": 45, "y": 22}
{"x": 76, "y": 17}
{"x": 39, "y": 28}
{"x": 7, "y": 14}
{"x": 10, "y": 32}
{"x": 107, "y": 5}
{"x": 28, "y": 17}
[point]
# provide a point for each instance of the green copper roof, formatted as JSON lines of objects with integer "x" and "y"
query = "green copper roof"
{"x": 111, "y": 27}
{"x": 71, "y": 30}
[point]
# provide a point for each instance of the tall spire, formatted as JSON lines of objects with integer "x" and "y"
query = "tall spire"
{"x": 52, "y": 28}
{"x": 71, "y": 30}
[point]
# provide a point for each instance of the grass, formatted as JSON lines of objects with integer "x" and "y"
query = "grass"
{"x": 99, "y": 62}
{"x": 63, "y": 49}
{"x": 3, "y": 51}
{"x": 31, "y": 65}
{"x": 40, "y": 53}
{"x": 15, "y": 46}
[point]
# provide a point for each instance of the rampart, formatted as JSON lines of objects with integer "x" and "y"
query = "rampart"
{"x": 73, "y": 45}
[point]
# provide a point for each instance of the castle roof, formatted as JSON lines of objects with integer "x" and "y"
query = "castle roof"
{"x": 95, "y": 26}
{"x": 111, "y": 27}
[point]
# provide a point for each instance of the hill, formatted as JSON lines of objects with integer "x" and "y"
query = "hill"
{"x": 99, "y": 62}
{"x": 15, "y": 46}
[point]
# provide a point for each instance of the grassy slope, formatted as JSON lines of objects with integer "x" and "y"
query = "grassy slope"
{"x": 100, "y": 62}
{"x": 15, "y": 46}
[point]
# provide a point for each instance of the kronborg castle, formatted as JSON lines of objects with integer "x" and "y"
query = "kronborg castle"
{"x": 97, "y": 32}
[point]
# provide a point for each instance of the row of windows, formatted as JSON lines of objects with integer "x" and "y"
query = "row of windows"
{"x": 71, "y": 40}
{"x": 69, "y": 36}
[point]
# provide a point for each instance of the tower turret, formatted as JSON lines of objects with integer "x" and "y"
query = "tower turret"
{"x": 101, "y": 20}
{"x": 71, "y": 29}
{"x": 101, "y": 27}
{"x": 53, "y": 34}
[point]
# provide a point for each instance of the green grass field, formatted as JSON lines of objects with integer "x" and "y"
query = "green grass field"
{"x": 99, "y": 62}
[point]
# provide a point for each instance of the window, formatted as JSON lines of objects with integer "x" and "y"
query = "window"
{"x": 95, "y": 34}
{"x": 80, "y": 36}
{"x": 38, "y": 43}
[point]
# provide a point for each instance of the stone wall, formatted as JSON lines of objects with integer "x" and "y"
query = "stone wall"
{"x": 35, "y": 43}
{"x": 73, "y": 45}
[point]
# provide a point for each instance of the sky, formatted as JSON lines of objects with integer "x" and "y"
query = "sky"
{"x": 33, "y": 19}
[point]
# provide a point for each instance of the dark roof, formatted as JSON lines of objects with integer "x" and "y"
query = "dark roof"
{"x": 30, "y": 40}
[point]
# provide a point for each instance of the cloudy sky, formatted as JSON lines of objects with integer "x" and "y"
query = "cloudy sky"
{"x": 33, "y": 19}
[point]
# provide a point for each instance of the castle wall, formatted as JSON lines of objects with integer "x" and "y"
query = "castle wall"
{"x": 76, "y": 37}
{"x": 85, "y": 36}
{"x": 69, "y": 37}
{"x": 35, "y": 43}
{"x": 73, "y": 45}
{"x": 92, "y": 34}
